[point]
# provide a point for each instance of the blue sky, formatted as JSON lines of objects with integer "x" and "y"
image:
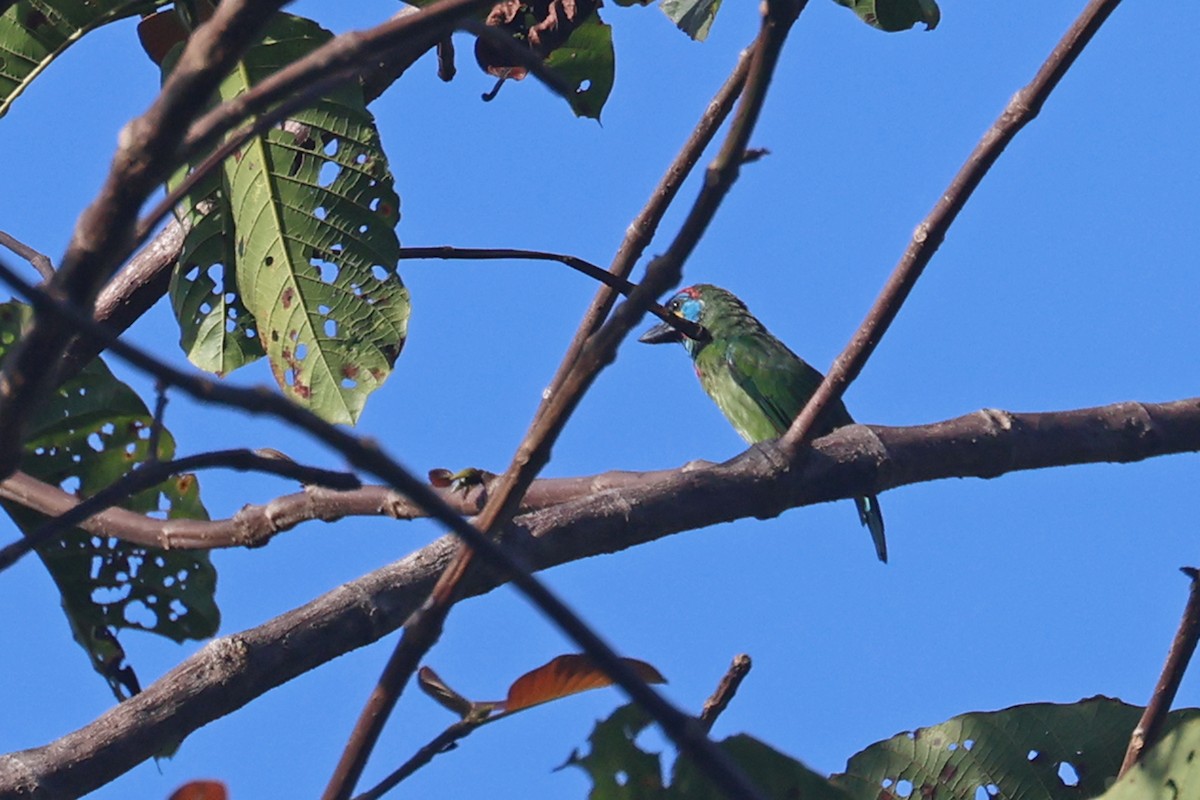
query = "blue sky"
{"x": 1070, "y": 280}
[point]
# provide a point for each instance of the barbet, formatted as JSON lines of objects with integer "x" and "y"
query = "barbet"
{"x": 757, "y": 382}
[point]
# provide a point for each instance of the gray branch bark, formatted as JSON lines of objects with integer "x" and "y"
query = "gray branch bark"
{"x": 233, "y": 670}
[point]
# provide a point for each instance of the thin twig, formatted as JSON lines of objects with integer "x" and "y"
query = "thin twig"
{"x": 297, "y": 86}
{"x": 103, "y": 234}
{"x": 235, "y": 669}
{"x": 156, "y": 427}
{"x": 1149, "y": 727}
{"x": 367, "y": 455}
{"x": 152, "y": 473}
{"x": 424, "y": 629}
{"x": 726, "y": 689}
{"x": 443, "y": 742}
{"x": 641, "y": 231}
{"x": 615, "y": 282}
{"x": 38, "y": 261}
{"x": 1023, "y": 108}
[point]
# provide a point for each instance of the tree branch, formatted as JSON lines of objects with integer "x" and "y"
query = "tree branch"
{"x": 232, "y": 670}
{"x": 148, "y": 475}
{"x": 1149, "y": 727}
{"x": 103, "y": 235}
{"x": 37, "y": 260}
{"x": 928, "y": 237}
{"x": 424, "y": 629}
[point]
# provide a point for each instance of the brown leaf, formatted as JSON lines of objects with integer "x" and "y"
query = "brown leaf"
{"x": 160, "y": 32}
{"x": 433, "y": 685}
{"x": 201, "y": 790}
{"x": 567, "y": 675}
{"x": 540, "y": 25}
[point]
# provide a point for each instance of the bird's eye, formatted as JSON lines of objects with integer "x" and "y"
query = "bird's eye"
{"x": 675, "y": 304}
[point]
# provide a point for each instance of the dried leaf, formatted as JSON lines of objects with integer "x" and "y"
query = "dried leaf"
{"x": 432, "y": 684}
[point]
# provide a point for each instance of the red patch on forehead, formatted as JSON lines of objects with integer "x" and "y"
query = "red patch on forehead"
{"x": 691, "y": 292}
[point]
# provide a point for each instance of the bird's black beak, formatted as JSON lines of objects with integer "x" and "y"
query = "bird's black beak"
{"x": 661, "y": 334}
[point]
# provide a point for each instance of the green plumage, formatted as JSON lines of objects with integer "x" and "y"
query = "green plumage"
{"x": 757, "y": 382}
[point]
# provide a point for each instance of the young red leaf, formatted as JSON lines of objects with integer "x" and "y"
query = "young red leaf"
{"x": 159, "y": 33}
{"x": 567, "y": 675}
{"x": 201, "y": 790}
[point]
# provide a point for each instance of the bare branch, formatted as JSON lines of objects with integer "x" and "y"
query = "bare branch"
{"x": 1149, "y": 727}
{"x": 146, "y": 476}
{"x": 103, "y": 235}
{"x": 37, "y": 260}
{"x": 928, "y": 237}
{"x": 726, "y": 689}
{"x": 424, "y": 629}
{"x": 131, "y": 292}
{"x": 233, "y": 670}
{"x": 441, "y": 743}
{"x": 615, "y": 282}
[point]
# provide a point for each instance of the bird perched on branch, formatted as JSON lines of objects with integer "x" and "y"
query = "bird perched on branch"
{"x": 757, "y": 382}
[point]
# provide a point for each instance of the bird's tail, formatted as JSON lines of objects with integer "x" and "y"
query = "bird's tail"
{"x": 872, "y": 518}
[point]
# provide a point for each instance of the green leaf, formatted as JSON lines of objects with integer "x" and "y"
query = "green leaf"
{"x": 587, "y": 62}
{"x": 88, "y": 433}
{"x": 1168, "y": 771}
{"x": 217, "y": 331}
{"x": 619, "y": 769}
{"x": 895, "y": 15}
{"x": 1021, "y": 751}
{"x": 34, "y": 32}
{"x": 775, "y": 774}
{"x": 305, "y": 215}
{"x": 694, "y": 17}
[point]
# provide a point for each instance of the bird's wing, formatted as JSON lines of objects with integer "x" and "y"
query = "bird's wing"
{"x": 778, "y": 381}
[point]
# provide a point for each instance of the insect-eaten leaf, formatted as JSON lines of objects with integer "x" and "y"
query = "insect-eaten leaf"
{"x": 91, "y": 431}
{"x": 895, "y": 15}
{"x": 1039, "y": 750}
{"x": 292, "y": 249}
{"x": 568, "y": 35}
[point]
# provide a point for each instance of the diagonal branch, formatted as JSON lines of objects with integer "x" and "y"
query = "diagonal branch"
{"x": 1022, "y": 109}
{"x": 233, "y": 670}
{"x": 423, "y": 631}
{"x": 1183, "y": 646}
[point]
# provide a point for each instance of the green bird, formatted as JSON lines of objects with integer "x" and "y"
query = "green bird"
{"x": 757, "y": 382}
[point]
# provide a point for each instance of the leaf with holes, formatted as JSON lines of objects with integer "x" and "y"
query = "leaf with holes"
{"x": 895, "y": 15}
{"x": 586, "y": 61}
{"x": 34, "y": 32}
{"x": 306, "y": 216}
{"x": 618, "y": 767}
{"x": 1039, "y": 751}
{"x": 694, "y": 17}
{"x": 90, "y": 432}
{"x": 216, "y": 330}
